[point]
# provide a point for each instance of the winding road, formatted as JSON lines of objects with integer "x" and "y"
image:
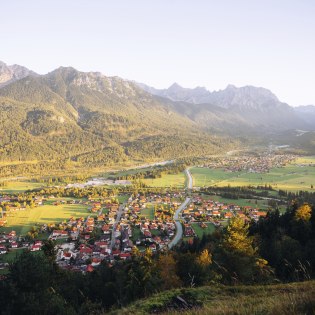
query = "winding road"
{"x": 179, "y": 227}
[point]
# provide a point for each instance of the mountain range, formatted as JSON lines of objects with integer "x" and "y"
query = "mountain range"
{"x": 238, "y": 108}
{"x": 89, "y": 118}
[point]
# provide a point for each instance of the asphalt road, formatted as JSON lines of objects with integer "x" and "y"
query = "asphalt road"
{"x": 179, "y": 228}
{"x": 190, "y": 179}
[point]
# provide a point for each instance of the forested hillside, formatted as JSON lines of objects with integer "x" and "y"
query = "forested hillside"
{"x": 93, "y": 120}
{"x": 67, "y": 117}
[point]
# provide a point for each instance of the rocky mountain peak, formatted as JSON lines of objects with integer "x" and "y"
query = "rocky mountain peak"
{"x": 9, "y": 74}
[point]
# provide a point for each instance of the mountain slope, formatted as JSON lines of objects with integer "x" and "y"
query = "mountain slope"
{"x": 94, "y": 120}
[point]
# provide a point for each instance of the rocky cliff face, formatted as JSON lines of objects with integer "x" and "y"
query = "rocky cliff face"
{"x": 9, "y": 74}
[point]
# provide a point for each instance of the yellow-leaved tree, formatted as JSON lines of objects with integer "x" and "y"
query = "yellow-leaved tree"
{"x": 303, "y": 213}
{"x": 236, "y": 238}
{"x": 205, "y": 258}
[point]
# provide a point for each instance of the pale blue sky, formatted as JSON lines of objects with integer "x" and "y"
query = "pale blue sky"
{"x": 195, "y": 43}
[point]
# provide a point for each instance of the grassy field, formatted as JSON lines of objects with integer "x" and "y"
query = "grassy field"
{"x": 305, "y": 160}
{"x": 19, "y": 186}
{"x": 292, "y": 177}
{"x": 167, "y": 180}
{"x": 11, "y": 256}
{"x": 200, "y": 231}
{"x": 261, "y": 204}
{"x": 148, "y": 212}
{"x": 135, "y": 233}
{"x": 280, "y": 299}
{"x": 123, "y": 198}
{"x": 127, "y": 172}
{"x": 22, "y": 221}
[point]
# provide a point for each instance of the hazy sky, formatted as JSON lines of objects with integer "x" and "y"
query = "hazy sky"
{"x": 269, "y": 43}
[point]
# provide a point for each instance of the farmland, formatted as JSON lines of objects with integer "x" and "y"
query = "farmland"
{"x": 167, "y": 180}
{"x": 22, "y": 221}
{"x": 18, "y": 186}
{"x": 299, "y": 175}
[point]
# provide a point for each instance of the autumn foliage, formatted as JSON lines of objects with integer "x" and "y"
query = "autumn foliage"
{"x": 304, "y": 213}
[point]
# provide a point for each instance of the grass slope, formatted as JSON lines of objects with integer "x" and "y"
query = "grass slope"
{"x": 293, "y": 298}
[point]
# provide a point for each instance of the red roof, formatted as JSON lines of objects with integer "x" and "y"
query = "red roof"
{"x": 124, "y": 255}
{"x": 86, "y": 250}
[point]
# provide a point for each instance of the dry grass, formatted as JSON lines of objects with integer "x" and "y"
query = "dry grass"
{"x": 283, "y": 299}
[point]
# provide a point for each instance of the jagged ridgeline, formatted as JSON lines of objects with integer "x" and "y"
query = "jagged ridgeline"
{"x": 95, "y": 120}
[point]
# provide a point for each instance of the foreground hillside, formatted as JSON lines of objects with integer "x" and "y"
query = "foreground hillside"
{"x": 292, "y": 298}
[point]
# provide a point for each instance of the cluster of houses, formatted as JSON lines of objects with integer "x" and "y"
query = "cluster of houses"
{"x": 211, "y": 211}
{"x": 250, "y": 163}
{"x": 10, "y": 241}
{"x": 119, "y": 230}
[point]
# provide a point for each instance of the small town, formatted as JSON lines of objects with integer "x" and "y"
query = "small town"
{"x": 113, "y": 229}
{"x": 253, "y": 164}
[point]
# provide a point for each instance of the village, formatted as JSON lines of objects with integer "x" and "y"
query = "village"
{"x": 251, "y": 163}
{"x": 114, "y": 229}
{"x": 204, "y": 212}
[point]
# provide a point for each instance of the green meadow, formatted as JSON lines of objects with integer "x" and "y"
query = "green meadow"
{"x": 201, "y": 231}
{"x": 22, "y": 221}
{"x": 18, "y": 186}
{"x": 167, "y": 180}
{"x": 292, "y": 177}
{"x": 148, "y": 212}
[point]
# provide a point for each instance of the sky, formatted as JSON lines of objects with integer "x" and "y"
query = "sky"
{"x": 269, "y": 43}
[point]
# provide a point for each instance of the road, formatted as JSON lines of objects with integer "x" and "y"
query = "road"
{"x": 190, "y": 179}
{"x": 179, "y": 228}
{"x": 119, "y": 213}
